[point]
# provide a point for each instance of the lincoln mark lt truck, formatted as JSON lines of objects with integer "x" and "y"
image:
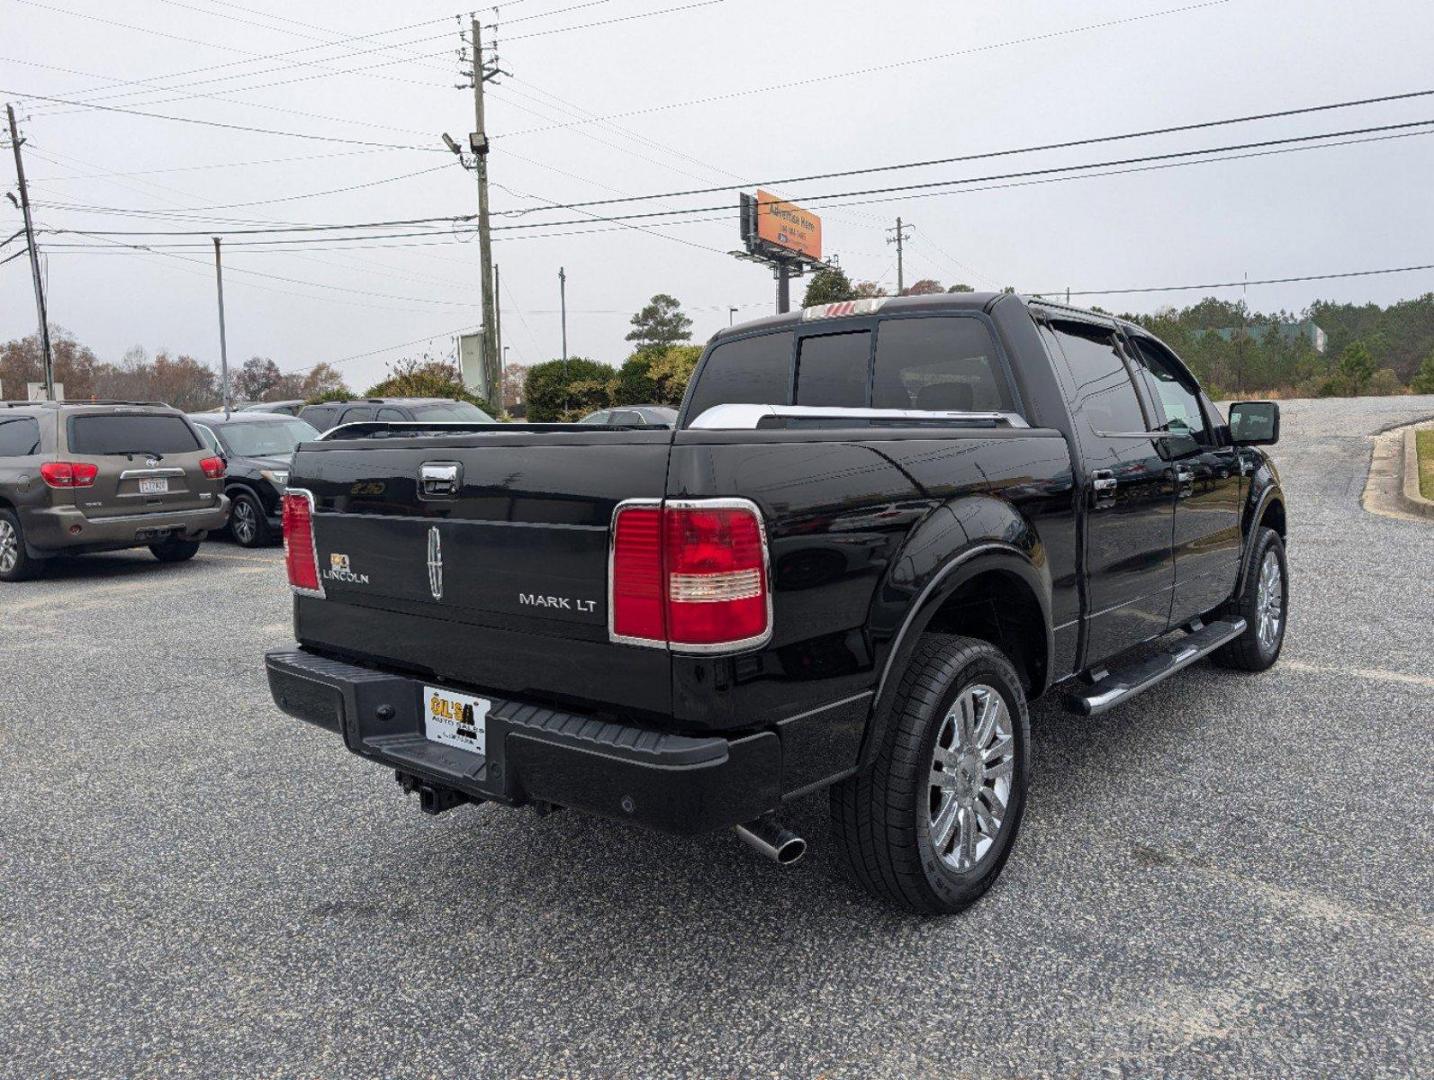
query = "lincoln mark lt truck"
{"x": 876, "y": 530}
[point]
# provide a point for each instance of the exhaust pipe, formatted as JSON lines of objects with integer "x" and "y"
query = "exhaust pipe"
{"x": 772, "y": 839}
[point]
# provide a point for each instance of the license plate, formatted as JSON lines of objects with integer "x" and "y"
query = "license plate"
{"x": 154, "y": 487}
{"x": 456, "y": 719}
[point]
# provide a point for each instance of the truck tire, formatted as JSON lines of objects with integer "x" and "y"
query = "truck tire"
{"x": 930, "y": 824}
{"x": 175, "y": 550}
{"x": 1264, "y": 605}
{"x": 16, "y": 564}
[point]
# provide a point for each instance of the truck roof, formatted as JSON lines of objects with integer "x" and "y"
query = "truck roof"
{"x": 887, "y": 305}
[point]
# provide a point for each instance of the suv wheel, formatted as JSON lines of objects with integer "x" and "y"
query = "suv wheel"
{"x": 1264, "y": 605}
{"x": 930, "y": 825}
{"x": 175, "y": 550}
{"x": 247, "y": 523}
{"x": 15, "y": 562}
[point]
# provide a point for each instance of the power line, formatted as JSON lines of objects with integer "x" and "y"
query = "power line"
{"x": 1174, "y": 155}
{"x": 1241, "y": 283}
{"x": 1038, "y": 148}
{"x": 609, "y": 22}
{"x": 219, "y": 124}
{"x": 888, "y": 66}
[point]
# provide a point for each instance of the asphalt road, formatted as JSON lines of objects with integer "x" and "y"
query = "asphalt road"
{"x": 1229, "y": 877}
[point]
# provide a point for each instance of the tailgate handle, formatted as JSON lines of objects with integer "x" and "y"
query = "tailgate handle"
{"x": 439, "y": 479}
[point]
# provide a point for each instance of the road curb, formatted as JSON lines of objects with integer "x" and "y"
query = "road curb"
{"x": 1408, "y": 489}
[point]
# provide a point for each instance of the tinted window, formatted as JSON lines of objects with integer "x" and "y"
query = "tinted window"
{"x": 455, "y": 411}
{"x": 356, "y": 413}
{"x": 750, "y": 371}
{"x": 19, "y": 436}
{"x": 211, "y": 440}
{"x": 136, "y": 434}
{"x": 939, "y": 364}
{"x": 391, "y": 414}
{"x": 832, "y": 370}
{"x": 276, "y": 439}
{"x": 1179, "y": 402}
{"x": 320, "y": 416}
{"x": 1104, "y": 394}
{"x": 599, "y": 417}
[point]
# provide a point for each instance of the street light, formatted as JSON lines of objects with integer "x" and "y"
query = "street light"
{"x": 731, "y": 314}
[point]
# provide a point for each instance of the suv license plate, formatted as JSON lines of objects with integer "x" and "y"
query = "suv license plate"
{"x": 456, "y": 719}
{"x": 154, "y": 487}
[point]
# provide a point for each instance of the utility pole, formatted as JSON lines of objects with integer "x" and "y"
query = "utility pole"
{"x": 731, "y": 315}
{"x": 899, "y": 240}
{"x": 563, "y": 300}
{"x": 784, "y": 287}
{"x": 46, "y": 360}
{"x": 223, "y": 343}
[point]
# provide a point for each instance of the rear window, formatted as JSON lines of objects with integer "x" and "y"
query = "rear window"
{"x": 748, "y": 371}
{"x": 19, "y": 436}
{"x": 131, "y": 434}
{"x": 832, "y": 370}
{"x": 456, "y": 411}
{"x": 940, "y": 364}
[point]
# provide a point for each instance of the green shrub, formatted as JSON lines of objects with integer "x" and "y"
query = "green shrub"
{"x": 568, "y": 389}
{"x": 1384, "y": 383}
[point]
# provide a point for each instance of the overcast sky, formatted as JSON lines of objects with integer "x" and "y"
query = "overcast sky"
{"x": 690, "y": 98}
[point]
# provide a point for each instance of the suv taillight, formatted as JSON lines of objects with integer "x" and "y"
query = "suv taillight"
{"x": 69, "y": 474}
{"x": 690, "y": 575}
{"x": 213, "y": 468}
{"x": 301, "y": 556}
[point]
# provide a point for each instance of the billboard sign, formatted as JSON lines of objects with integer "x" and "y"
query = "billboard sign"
{"x": 787, "y": 225}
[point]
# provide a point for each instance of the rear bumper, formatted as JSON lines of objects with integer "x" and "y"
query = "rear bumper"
{"x": 676, "y": 783}
{"x": 64, "y": 528}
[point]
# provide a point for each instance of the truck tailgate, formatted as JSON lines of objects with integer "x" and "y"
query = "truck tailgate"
{"x": 500, "y": 585}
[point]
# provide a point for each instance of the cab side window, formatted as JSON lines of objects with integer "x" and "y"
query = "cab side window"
{"x": 1181, "y": 403}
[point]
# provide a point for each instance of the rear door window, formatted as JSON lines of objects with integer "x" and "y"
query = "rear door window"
{"x": 391, "y": 414}
{"x": 357, "y": 413}
{"x": 940, "y": 364}
{"x": 19, "y": 436}
{"x": 131, "y": 434}
{"x": 321, "y": 416}
{"x": 748, "y": 371}
{"x": 832, "y": 370}
{"x": 1105, "y": 396}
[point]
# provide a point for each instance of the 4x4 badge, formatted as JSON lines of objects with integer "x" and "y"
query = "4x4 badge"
{"x": 435, "y": 563}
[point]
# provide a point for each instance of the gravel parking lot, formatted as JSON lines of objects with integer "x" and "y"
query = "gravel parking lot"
{"x": 1231, "y": 876}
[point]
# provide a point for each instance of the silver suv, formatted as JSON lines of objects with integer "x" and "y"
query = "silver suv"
{"x": 80, "y": 477}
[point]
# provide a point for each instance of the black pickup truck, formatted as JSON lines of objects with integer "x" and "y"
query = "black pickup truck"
{"x": 875, "y": 532}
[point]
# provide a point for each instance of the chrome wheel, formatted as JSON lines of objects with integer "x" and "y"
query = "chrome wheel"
{"x": 971, "y": 769}
{"x": 1270, "y": 601}
{"x": 243, "y": 523}
{"x": 9, "y": 547}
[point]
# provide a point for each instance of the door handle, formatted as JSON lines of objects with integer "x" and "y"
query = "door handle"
{"x": 1103, "y": 484}
{"x": 439, "y": 479}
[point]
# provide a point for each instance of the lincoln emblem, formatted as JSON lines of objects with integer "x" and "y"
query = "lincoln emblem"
{"x": 435, "y": 564}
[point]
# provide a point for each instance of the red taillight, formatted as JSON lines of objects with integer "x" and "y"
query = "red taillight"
{"x": 690, "y": 575}
{"x": 69, "y": 474}
{"x": 213, "y": 468}
{"x": 301, "y": 557}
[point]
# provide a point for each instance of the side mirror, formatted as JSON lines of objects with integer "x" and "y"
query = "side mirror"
{"x": 1255, "y": 423}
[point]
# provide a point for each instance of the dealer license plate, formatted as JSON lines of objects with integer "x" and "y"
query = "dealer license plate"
{"x": 154, "y": 487}
{"x": 456, "y": 719}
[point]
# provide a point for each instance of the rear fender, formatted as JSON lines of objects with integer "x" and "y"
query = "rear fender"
{"x": 959, "y": 541}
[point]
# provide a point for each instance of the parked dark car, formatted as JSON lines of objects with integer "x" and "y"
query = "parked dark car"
{"x": 285, "y": 408}
{"x": 257, "y": 448}
{"x": 81, "y": 477}
{"x": 633, "y": 416}
{"x": 878, "y": 529}
{"x": 332, "y": 414}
